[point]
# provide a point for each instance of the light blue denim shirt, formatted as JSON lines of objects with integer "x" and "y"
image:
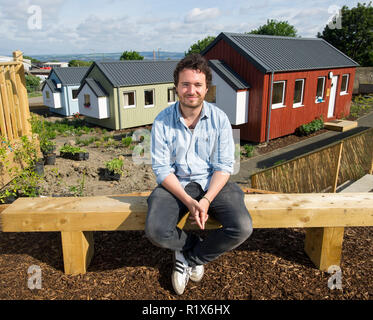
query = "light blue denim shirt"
{"x": 192, "y": 156}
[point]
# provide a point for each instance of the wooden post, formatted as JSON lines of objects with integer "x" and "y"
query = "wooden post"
{"x": 254, "y": 181}
{"x": 337, "y": 167}
{"x": 77, "y": 248}
{"x": 324, "y": 246}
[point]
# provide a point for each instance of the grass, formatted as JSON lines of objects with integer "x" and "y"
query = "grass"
{"x": 34, "y": 94}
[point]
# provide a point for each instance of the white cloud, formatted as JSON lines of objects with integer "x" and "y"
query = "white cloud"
{"x": 199, "y": 15}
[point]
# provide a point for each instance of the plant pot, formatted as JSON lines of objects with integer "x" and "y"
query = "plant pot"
{"x": 50, "y": 159}
{"x": 79, "y": 156}
{"x": 39, "y": 167}
{"x": 110, "y": 175}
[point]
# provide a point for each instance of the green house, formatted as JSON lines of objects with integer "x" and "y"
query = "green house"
{"x": 125, "y": 94}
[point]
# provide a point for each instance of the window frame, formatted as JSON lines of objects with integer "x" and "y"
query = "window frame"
{"x": 149, "y": 105}
{"x": 130, "y": 106}
{"x": 299, "y": 104}
{"x": 282, "y": 103}
{"x": 174, "y": 91}
{"x": 344, "y": 92}
{"x": 323, "y": 90}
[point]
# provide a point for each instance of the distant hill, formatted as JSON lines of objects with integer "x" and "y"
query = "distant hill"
{"x": 163, "y": 55}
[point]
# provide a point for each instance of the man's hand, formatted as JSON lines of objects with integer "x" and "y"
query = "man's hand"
{"x": 198, "y": 212}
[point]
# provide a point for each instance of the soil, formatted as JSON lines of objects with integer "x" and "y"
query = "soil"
{"x": 270, "y": 265}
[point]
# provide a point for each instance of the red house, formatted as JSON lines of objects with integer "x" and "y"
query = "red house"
{"x": 270, "y": 85}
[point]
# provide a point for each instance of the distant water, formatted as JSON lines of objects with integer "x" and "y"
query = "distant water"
{"x": 162, "y": 55}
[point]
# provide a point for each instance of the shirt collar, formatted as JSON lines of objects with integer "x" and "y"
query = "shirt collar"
{"x": 205, "y": 113}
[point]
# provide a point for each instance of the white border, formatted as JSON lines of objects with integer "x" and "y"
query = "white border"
{"x": 281, "y": 104}
{"x": 299, "y": 104}
{"x": 134, "y": 98}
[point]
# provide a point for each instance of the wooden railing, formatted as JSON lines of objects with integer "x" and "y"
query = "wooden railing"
{"x": 14, "y": 112}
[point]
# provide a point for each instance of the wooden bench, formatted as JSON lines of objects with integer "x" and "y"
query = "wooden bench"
{"x": 325, "y": 214}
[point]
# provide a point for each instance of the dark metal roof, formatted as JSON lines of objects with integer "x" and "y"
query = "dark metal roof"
{"x": 228, "y": 74}
{"x": 138, "y": 72}
{"x": 70, "y": 75}
{"x": 98, "y": 90}
{"x": 276, "y": 54}
{"x": 51, "y": 85}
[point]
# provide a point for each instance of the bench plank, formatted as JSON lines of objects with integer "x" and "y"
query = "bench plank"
{"x": 105, "y": 213}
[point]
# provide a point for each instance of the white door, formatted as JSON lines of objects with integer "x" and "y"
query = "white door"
{"x": 333, "y": 91}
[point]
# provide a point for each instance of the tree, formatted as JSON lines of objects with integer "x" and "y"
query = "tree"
{"x": 32, "y": 83}
{"x": 276, "y": 28}
{"x": 200, "y": 45}
{"x": 131, "y": 55}
{"x": 79, "y": 63}
{"x": 355, "y": 36}
{"x": 33, "y": 60}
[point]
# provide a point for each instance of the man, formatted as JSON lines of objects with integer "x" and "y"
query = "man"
{"x": 192, "y": 151}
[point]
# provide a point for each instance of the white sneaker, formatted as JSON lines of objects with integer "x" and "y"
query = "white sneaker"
{"x": 196, "y": 273}
{"x": 181, "y": 273}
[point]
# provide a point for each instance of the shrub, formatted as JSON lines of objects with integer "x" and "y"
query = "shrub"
{"x": 311, "y": 127}
{"x": 249, "y": 150}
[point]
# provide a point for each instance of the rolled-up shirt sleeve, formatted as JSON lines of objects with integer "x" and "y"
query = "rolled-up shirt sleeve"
{"x": 223, "y": 159}
{"x": 160, "y": 153}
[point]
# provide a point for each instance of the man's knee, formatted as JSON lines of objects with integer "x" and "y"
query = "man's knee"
{"x": 243, "y": 227}
{"x": 157, "y": 235}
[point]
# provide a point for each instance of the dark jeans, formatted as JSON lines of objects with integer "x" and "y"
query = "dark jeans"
{"x": 165, "y": 211}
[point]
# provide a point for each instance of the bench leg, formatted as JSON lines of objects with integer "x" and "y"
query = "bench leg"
{"x": 77, "y": 248}
{"x": 324, "y": 246}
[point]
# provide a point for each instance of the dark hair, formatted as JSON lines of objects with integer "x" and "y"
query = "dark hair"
{"x": 193, "y": 61}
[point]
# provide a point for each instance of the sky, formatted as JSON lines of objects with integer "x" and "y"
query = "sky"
{"x": 106, "y": 26}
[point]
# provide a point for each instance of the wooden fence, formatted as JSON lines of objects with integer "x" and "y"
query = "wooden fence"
{"x": 14, "y": 111}
{"x": 322, "y": 170}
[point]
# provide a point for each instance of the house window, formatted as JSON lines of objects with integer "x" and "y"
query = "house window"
{"x": 298, "y": 93}
{"x": 87, "y": 100}
{"x": 149, "y": 98}
{"x": 75, "y": 94}
{"x": 47, "y": 95}
{"x": 320, "y": 89}
{"x": 344, "y": 84}
{"x": 278, "y": 94}
{"x": 171, "y": 95}
{"x": 129, "y": 99}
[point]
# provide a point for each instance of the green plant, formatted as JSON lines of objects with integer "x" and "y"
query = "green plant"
{"x": 311, "y": 127}
{"x": 127, "y": 141}
{"x": 79, "y": 188}
{"x": 115, "y": 165}
{"x": 249, "y": 149}
{"x": 71, "y": 149}
{"x": 47, "y": 146}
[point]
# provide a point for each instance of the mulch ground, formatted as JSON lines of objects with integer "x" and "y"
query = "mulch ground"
{"x": 271, "y": 264}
